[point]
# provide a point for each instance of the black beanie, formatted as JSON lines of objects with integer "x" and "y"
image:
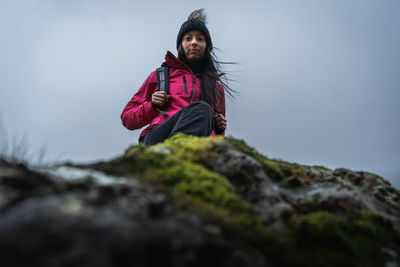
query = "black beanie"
{"x": 196, "y": 21}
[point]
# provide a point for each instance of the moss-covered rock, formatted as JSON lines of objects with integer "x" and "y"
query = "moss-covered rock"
{"x": 313, "y": 237}
{"x": 231, "y": 198}
{"x": 174, "y": 169}
{"x": 325, "y": 239}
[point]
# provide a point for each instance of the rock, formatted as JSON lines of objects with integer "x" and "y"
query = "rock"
{"x": 242, "y": 170}
{"x": 196, "y": 202}
{"x": 93, "y": 219}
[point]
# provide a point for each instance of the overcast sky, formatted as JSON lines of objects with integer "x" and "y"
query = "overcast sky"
{"x": 318, "y": 80}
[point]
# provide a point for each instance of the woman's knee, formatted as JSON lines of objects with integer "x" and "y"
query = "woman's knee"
{"x": 202, "y": 107}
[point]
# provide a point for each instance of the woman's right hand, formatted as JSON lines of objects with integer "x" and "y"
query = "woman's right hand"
{"x": 159, "y": 98}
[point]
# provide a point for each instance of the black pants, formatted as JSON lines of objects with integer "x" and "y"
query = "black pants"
{"x": 194, "y": 119}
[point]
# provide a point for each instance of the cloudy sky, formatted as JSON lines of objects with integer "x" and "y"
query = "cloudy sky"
{"x": 318, "y": 80}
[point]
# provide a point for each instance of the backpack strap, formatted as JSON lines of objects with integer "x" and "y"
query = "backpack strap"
{"x": 163, "y": 79}
{"x": 162, "y": 84}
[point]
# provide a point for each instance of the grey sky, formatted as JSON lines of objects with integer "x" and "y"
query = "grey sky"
{"x": 318, "y": 80}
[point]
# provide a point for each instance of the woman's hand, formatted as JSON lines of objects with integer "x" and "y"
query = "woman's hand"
{"x": 159, "y": 98}
{"x": 220, "y": 121}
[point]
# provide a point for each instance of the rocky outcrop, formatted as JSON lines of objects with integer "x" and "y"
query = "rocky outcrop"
{"x": 196, "y": 202}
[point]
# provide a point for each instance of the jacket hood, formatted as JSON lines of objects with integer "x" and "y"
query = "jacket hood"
{"x": 172, "y": 61}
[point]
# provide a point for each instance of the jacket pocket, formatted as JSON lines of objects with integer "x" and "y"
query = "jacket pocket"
{"x": 185, "y": 84}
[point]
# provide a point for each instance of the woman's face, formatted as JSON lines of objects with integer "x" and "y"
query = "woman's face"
{"x": 194, "y": 44}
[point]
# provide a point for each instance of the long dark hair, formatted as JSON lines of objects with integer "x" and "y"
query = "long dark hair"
{"x": 211, "y": 76}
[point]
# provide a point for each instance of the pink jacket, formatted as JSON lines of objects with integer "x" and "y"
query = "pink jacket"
{"x": 139, "y": 112}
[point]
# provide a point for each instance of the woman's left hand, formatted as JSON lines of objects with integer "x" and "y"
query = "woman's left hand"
{"x": 220, "y": 121}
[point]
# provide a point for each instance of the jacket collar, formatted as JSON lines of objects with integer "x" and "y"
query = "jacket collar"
{"x": 172, "y": 61}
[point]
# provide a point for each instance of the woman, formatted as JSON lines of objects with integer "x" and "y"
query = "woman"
{"x": 196, "y": 101}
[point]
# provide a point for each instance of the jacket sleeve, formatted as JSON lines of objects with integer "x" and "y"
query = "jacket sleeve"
{"x": 139, "y": 112}
{"x": 221, "y": 105}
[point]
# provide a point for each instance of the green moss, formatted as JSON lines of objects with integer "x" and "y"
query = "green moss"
{"x": 136, "y": 161}
{"x": 173, "y": 167}
{"x": 289, "y": 174}
{"x": 293, "y": 174}
{"x": 243, "y": 147}
{"x": 316, "y": 239}
{"x": 325, "y": 239}
{"x": 192, "y": 148}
